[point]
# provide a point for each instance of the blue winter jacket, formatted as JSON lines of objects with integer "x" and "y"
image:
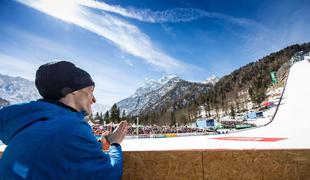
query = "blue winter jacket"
{"x": 47, "y": 141}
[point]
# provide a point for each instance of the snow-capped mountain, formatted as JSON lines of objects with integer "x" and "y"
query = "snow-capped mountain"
{"x": 17, "y": 89}
{"x": 211, "y": 80}
{"x": 152, "y": 85}
{"x": 158, "y": 93}
{"x": 148, "y": 95}
{"x": 100, "y": 108}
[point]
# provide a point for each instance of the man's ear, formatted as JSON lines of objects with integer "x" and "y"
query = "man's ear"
{"x": 74, "y": 93}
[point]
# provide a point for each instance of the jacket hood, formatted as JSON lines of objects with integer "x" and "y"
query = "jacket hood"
{"x": 16, "y": 117}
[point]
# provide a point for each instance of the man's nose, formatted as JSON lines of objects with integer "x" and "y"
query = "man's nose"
{"x": 94, "y": 99}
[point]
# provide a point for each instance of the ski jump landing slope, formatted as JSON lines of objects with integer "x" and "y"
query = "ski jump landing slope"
{"x": 290, "y": 128}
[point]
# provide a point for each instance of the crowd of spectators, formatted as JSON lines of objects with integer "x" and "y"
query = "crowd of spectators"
{"x": 161, "y": 130}
{"x": 145, "y": 130}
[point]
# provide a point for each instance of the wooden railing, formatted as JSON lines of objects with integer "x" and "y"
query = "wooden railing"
{"x": 217, "y": 164}
{"x": 220, "y": 164}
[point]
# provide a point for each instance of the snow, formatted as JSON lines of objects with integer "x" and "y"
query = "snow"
{"x": 17, "y": 89}
{"x": 100, "y": 108}
{"x": 150, "y": 93}
{"x": 268, "y": 114}
{"x": 165, "y": 79}
{"x": 211, "y": 80}
{"x": 290, "y": 123}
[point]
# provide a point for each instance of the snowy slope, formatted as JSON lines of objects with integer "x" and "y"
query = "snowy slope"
{"x": 211, "y": 80}
{"x": 17, "y": 89}
{"x": 147, "y": 95}
{"x": 162, "y": 93}
{"x": 100, "y": 108}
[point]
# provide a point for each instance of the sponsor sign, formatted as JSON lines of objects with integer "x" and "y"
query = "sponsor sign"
{"x": 262, "y": 139}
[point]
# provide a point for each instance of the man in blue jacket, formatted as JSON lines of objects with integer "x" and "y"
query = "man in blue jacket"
{"x": 49, "y": 138}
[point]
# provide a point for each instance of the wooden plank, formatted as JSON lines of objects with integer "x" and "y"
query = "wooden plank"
{"x": 257, "y": 164}
{"x": 163, "y": 165}
{"x": 211, "y": 164}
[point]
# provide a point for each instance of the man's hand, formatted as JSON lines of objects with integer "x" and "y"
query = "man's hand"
{"x": 118, "y": 134}
{"x": 105, "y": 145}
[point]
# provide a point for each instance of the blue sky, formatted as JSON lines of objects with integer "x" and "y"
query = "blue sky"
{"x": 124, "y": 43}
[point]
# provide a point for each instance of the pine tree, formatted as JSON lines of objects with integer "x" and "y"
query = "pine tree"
{"x": 106, "y": 117}
{"x": 232, "y": 112}
{"x": 118, "y": 115}
{"x": 115, "y": 114}
{"x": 124, "y": 115}
{"x": 208, "y": 109}
{"x": 172, "y": 119}
{"x": 257, "y": 93}
{"x": 97, "y": 116}
{"x": 101, "y": 118}
{"x": 238, "y": 106}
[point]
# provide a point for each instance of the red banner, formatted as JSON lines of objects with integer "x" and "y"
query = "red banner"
{"x": 263, "y": 139}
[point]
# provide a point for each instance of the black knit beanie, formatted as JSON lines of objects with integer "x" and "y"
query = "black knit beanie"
{"x": 56, "y": 80}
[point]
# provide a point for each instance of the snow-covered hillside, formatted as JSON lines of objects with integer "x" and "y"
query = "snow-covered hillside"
{"x": 211, "y": 80}
{"x": 100, "y": 108}
{"x": 147, "y": 95}
{"x": 17, "y": 89}
{"x": 161, "y": 93}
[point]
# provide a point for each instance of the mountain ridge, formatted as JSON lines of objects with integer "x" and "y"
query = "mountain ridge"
{"x": 155, "y": 94}
{"x": 17, "y": 89}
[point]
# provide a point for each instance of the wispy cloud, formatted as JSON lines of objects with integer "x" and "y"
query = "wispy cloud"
{"x": 147, "y": 15}
{"x": 127, "y": 61}
{"x": 122, "y": 34}
{"x": 109, "y": 88}
{"x": 13, "y": 65}
{"x": 21, "y": 44}
{"x": 20, "y": 49}
{"x": 287, "y": 29}
{"x": 170, "y": 15}
{"x": 128, "y": 37}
